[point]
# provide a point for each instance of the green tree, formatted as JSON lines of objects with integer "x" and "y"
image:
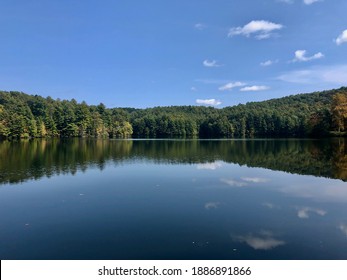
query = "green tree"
{"x": 339, "y": 111}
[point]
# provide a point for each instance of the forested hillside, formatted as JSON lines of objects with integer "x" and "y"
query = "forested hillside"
{"x": 314, "y": 114}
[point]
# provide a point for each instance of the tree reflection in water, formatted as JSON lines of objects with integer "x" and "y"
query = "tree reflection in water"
{"x": 33, "y": 159}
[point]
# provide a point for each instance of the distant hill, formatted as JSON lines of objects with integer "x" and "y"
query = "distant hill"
{"x": 315, "y": 114}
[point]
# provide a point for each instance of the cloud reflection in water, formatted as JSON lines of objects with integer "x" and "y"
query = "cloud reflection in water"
{"x": 303, "y": 213}
{"x": 343, "y": 229}
{"x": 265, "y": 240}
{"x": 209, "y": 165}
{"x": 211, "y": 205}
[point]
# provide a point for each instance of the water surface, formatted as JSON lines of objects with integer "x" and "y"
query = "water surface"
{"x": 173, "y": 199}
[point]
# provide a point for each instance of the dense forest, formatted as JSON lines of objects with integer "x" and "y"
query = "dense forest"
{"x": 315, "y": 114}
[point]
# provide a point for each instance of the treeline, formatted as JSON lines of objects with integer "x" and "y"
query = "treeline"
{"x": 315, "y": 114}
{"x": 24, "y": 116}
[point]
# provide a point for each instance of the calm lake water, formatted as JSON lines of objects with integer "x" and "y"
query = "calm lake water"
{"x": 173, "y": 199}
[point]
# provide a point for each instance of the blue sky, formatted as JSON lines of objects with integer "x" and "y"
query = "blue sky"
{"x": 136, "y": 53}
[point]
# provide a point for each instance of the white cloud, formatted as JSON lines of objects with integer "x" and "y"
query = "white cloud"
{"x": 210, "y": 63}
{"x": 309, "y": 2}
{"x": 268, "y": 62}
{"x": 255, "y": 179}
{"x": 304, "y": 213}
{"x": 200, "y": 26}
{"x": 286, "y": 1}
{"x": 264, "y": 241}
{"x": 263, "y": 36}
{"x": 335, "y": 75}
{"x": 210, "y": 102}
{"x": 193, "y": 89}
{"x": 342, "y": 38}
{"x": 211, "y": 205}
{"x": 254, "y": 88}
{"x": 261, "y": 28}
{"x": 300, "y": 55}
{"x": 209, "y": 165}
{"x": 230, "y": 86}
{"x": 234, "y": 183}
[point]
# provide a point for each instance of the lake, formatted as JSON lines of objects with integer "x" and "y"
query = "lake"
{"x": 173, "y": 199}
